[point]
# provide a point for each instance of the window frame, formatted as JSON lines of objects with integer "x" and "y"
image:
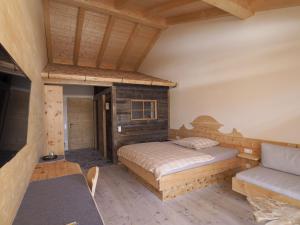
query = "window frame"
{"x": 143, "y": 110}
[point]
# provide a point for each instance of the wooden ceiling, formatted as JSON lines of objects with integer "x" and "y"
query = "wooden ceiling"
{"x": 118, "y": 34}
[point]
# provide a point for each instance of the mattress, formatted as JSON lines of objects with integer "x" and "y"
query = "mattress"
{"x": 164, "y": 158}
{"x": 217, "y": 152}
{"x": 274, "y": 180}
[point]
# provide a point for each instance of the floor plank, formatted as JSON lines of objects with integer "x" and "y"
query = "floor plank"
{"x": 122, "y": 200}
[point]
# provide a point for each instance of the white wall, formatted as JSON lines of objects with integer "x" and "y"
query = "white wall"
{"x": 246, "y": 74}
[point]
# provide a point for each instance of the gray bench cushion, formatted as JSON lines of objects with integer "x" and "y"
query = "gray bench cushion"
{"x": 58, "y": 201}
{"x": 274, "y": 180}
{"x": 281, "y": 158}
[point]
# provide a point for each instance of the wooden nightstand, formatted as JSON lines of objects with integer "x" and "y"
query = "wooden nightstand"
{"x": 248, "y": 160}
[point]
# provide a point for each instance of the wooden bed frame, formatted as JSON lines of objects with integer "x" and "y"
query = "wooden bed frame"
{"x": 251, "y": 190}
{"x": 173, "y": 185}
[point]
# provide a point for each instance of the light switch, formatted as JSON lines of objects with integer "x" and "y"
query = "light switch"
{"x": 119, "y": 129}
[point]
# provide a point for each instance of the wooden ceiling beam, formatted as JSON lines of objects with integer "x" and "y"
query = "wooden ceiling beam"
{"x": 148, "y": 49}
{"x": 128, "y": 45}
{"x": 108, "y": 29}
{"x": 79, "y": 26}
{"x": 47, "y": 30}
{"x": 195, "y": 16}
{"x": 120, "y": 4}
{"x": 165, "y": 6}
{"x": 101, "y": 7}
{"x": 66, "y": 74}
{"x": 259, "y": 5}
{"x": 238, "y": 8}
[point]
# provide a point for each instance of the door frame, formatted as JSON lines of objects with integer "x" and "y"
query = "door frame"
{"x": 112, "y": 91}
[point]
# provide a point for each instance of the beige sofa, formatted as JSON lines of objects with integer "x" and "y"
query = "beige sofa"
{"x": 278, "y": 176}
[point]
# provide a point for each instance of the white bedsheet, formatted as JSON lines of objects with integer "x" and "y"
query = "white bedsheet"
{"x": 162, "y": 157}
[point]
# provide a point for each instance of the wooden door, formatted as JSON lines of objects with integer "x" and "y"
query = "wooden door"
{"x": 54, "y": 121}
{"x": 101, "y": 126}
{"x": 80, "y": 116}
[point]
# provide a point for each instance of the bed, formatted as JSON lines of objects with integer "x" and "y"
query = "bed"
{"x": 170, "y": 170}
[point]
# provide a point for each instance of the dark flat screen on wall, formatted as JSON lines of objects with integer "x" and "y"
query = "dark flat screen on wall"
{"x": 14, "y": 110}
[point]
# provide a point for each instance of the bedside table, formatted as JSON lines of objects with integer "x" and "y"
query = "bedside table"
{"x": 248, "y": 160}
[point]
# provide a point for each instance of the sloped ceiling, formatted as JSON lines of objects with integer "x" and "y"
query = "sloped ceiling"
{"x": 118, "y": 34}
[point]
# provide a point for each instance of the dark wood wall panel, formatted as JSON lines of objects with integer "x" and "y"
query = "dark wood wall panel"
{"x": 138, "y": 131}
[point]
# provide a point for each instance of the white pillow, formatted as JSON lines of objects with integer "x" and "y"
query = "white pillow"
{"x": 196, "y": 142}
{"x": 286, "y": 159}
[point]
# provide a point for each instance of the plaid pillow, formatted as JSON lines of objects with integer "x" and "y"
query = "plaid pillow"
{"x": 196, "y": 142}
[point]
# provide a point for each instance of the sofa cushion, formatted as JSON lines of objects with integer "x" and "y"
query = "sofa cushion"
{"x": 274, "y": 180}
{"x": 281, "y": 158}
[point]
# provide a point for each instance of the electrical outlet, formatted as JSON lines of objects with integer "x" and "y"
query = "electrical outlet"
{"x": 248, "y": 150}
{"x": 119, "y": 129}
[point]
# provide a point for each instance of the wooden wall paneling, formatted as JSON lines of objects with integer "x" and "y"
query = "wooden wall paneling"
{"x": 105, "y": 40}
{"x": 23, "y": 36}
{"x": 47, "y": 30}
{"x": 79, "y": 26}
{"x": 63, "y": 19}
{"x": 92, "y": 36}
{"x": 54, "y": 121}
{"x": 119, "y": 37}
{"x": 136, "y": 131}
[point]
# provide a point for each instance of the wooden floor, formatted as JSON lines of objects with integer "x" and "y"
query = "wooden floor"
{"x": 122, "y": 200}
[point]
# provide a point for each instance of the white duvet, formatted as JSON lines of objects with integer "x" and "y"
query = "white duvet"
{"x": 162, "y": 157}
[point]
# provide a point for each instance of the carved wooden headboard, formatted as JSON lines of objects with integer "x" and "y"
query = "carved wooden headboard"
{"x": 207, "y": 126}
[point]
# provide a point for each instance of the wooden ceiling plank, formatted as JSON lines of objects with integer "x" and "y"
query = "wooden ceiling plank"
{"x": 198, "y": 15}
{"x": 147, "y": 50}
{"x": 120, "y": 4}
{"x": 165, "y": 6}
{"x": 79, "y": 27}
{"x": 105, "y": 40}
{"x": 47, "y": 30}
{"x": 101, "y": 7}
{"x": 128, "y": 45}
{"x": 238, "y": 8}
{"x": 259, "y": 5}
